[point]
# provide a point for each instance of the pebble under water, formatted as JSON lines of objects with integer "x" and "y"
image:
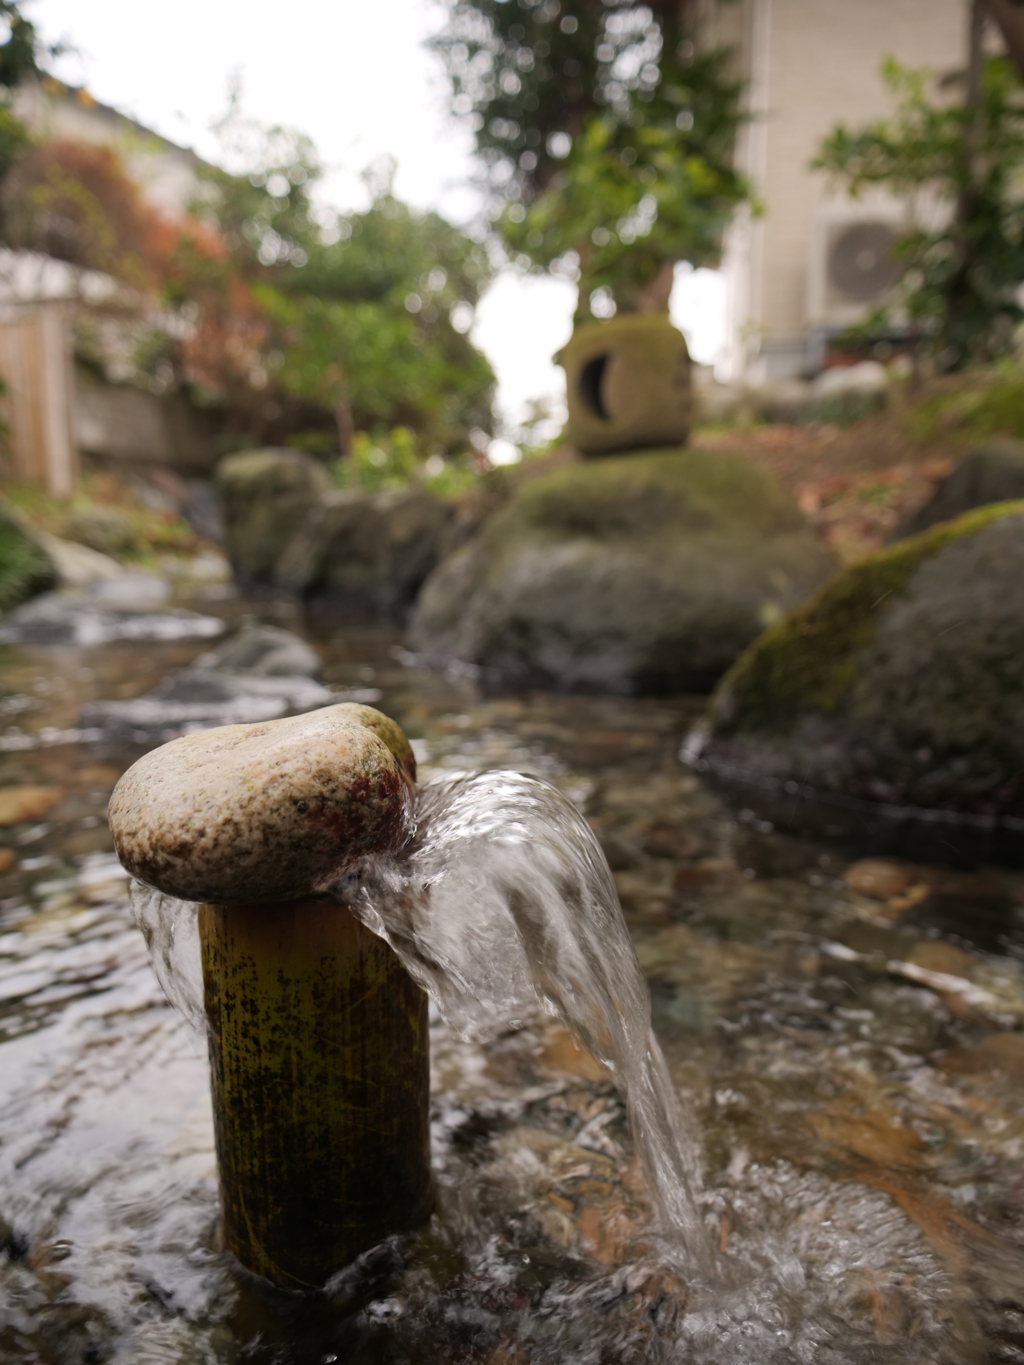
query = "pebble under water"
{"x": 853, "y": 1061}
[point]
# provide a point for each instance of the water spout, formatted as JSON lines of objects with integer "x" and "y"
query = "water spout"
{"x": 501, "y": 905}
{"x": 318, "y": 1036}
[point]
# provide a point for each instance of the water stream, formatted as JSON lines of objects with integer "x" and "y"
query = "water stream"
{"x": 853, "y": 1064}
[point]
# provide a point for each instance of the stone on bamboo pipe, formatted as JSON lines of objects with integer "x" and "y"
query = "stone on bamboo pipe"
{"x": 317, "y": 1034}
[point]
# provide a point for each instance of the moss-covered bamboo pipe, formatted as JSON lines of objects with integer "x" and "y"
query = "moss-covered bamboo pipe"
{"x": 318, "y": 1036}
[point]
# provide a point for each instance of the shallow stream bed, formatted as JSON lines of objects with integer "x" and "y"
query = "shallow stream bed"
{"x": 851, "y": 1045}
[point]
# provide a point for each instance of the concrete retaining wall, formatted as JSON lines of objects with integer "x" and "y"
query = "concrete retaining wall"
{"x": 118, "y": 423}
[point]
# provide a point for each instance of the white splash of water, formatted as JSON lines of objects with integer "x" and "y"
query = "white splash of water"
{"x": 171, "y": 930}
{"x": 500, "y": 904}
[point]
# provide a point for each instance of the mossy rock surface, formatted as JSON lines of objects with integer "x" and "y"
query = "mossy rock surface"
{"x": 265, "y": 496}
{"x": 900, "y": 683}
{"x": 644, "y": 572}
{"x": 364, "y": 556}
{"x": 24, "y": 568}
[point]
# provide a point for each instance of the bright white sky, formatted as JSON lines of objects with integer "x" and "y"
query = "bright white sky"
{"x": 355, "y": 75}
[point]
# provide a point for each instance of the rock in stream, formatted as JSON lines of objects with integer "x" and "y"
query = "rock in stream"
{"x": 634, "y": 573}
{"x": 899, "y": 688}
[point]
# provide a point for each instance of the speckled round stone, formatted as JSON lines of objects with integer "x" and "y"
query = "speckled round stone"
{"x": 264, "y": 812}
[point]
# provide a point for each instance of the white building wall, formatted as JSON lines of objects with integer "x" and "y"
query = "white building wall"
{"x": 809, "y": 64}
{"x": 166, "y": 173}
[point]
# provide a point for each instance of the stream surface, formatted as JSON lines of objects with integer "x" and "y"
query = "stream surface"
{"x": 854, "y": 1064}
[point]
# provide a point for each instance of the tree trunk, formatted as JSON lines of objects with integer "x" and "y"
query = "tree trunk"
{"x": 345, "y": 426}
{"x": 1009, "y": 16}
{"x": 653, "y": 297}
{"x": 951, "y": 355}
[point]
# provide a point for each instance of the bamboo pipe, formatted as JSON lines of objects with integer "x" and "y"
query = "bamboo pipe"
{"x": 317, "y": 1034}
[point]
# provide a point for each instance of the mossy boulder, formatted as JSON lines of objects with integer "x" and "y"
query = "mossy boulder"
{"x": 644, "y": 572}
{"x": 365, "y": 556}
{"x": 900, "y": 684}
{"x": 25, "y": 569}
{"x": 265, "y": 496}
{"x": 628, "y": 384}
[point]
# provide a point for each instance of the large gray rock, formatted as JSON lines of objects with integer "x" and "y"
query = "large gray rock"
{"x": 643, "y": 572}
{"x": 265, "y": 495}
{"x": 900, "y": 685}
{"x": 366, "y": 555}
{"x": 994, "y": 474}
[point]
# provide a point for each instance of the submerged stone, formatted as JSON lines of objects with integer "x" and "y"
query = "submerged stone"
{"x": 90, "y": 618}
{"x": 263, "y": 812}
{"x": 19, "y": 804}
{"x": 266, "y": 651}
{"x": 643, "y": 572}
{"x": 900, "y": 684}
{"x": 201, "y": 698}
{"x": 260, "y": 673}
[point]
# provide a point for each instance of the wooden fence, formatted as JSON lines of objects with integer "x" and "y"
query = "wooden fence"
{"x": 36, "y": 370}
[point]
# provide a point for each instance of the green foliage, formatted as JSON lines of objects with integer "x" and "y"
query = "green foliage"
{"x": 622, "y": 225}
{"x": 24, "y": 569}
{"x": 394, "y": 459}
{"x": 259, "y": 201}
{"x": 14, "y": 139}
{"x": 959, "y": 278}
{"x": 808, "y": 661}
{"x": 391, "y": 253}
{"x": 19, "y": 54}
{"x": 605, "y": 136}
{"x": 19, "y": 60}
{"x": 289, "y": 318}
{"x": 388, "y": 461}
{"x": 362, "y": 317}
{"x": 369, "y": 320}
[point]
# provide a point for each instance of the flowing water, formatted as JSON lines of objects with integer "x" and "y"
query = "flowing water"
{"x": 853, "y": 1062}
{"x": 502, "y": 907}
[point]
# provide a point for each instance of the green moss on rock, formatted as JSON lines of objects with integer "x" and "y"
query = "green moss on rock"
{"x": 643, "y": 572}
{"x": 809, "y": 661}
{"x": 895, "y": 694}
{"x": 657, "y": 494}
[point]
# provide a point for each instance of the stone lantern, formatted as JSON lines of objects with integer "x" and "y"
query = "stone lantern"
{"x": 628, "y": 385}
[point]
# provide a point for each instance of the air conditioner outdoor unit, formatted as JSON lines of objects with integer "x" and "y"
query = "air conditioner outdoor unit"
{"x": 853, "y": 266}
